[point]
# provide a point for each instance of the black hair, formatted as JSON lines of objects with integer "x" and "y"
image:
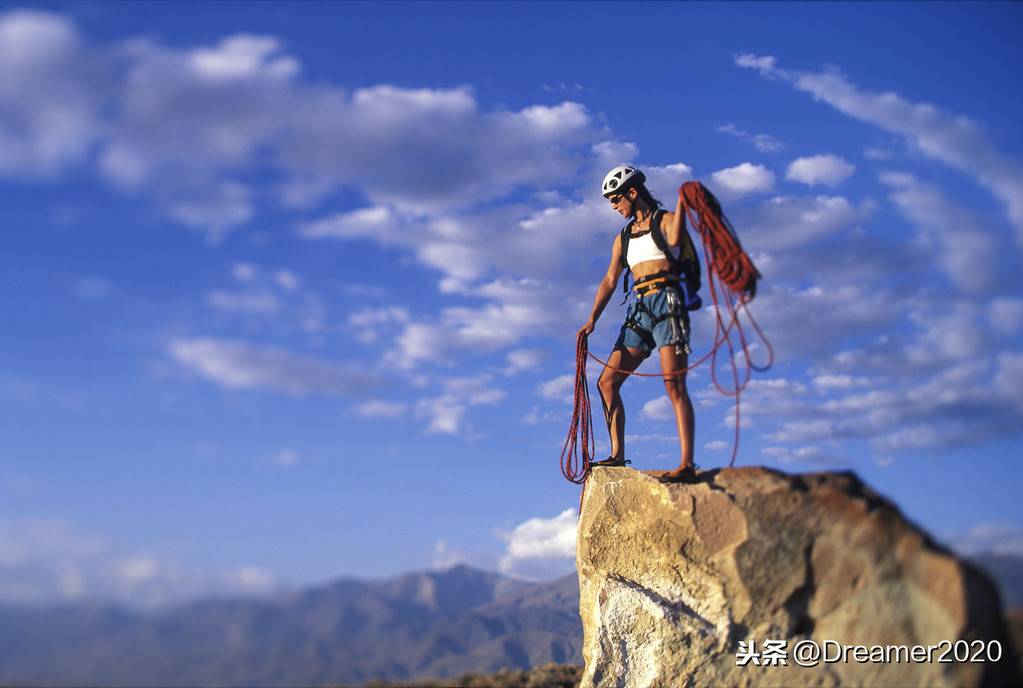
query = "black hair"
{"x": 644, "y": 193}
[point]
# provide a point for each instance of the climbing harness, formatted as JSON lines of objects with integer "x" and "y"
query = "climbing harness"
{"x": 732, "y": 281}
{"x": 684, "y": 267}
{"x": 675, "y": 316}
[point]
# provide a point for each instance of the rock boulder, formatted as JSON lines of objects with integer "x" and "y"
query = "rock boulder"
{"x": 676, "y": 579}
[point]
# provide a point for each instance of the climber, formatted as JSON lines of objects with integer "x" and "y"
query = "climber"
{"x": 655, "y": 246}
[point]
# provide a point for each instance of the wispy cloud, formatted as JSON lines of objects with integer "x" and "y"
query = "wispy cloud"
{"x": 51, "y": 561}
{"x": 378, "y": 408}
{"x": 953, "y": 139}
{"x": 523, "y": 360}
{"x": 559, "y": 388}
{"x": 999, "y": 538}
{"x": 806, "y": 456}
{"x": 765, "y": 143}
{"x": 287, "y": 457}
{"x": 967, "y": 252}
{"x": 445, "y": 413}
{"x": 785, "y": 222}
{"x": 268, "y": 299}
{"x": 239, "y": 365}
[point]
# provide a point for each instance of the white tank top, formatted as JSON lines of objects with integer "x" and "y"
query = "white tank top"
{"x": 643, "y": 249}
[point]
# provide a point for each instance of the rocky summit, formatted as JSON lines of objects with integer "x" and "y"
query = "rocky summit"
{"x": 685, "y": 584}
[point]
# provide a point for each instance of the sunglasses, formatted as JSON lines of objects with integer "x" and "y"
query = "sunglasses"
{"x": 616, "y": 199}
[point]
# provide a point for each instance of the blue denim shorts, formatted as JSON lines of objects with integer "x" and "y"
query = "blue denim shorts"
{"x": 655, "y": 320}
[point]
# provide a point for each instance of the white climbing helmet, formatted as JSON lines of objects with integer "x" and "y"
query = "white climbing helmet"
{"x": 621, "y": 178}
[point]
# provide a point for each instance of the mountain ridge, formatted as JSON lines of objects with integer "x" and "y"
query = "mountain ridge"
{"x": 412, "y": 627}
{"x": 415, "y": 626}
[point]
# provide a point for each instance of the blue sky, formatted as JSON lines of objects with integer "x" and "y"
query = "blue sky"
{"x": 290, "y": 290}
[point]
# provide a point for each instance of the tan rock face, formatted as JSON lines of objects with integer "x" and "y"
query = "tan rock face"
{"x": 675, "y": 579}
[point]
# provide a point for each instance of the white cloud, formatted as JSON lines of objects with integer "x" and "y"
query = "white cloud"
{"x": 287, "y": 280}
{"x": 240, "y": 365}
{"x": 364, "y": 222}
{"x": 51, "y": 561}
{"x": 663, "y": 181}
{"x": 651, "y": 437}
{"x": 93, "y": 288}
{"x": 445, "y": 555}
{"x": 1006, "y": 315}
{"x": 182, "y": 125}
{"x": 560, "y": 388}
{"x": 1009, "y": 377}
{"x": 242, "y": 57}
{"x": 658, "y": 409}
{"x": 377, "y": 408}
{"x": 51, "y": 94}
{"x": 397, "y": 139}
{"x": 244, "y": 272}
{"x": 243, "y": 302}
{"x": 967, "y": 252}
{"x": 214, "y": 206}
{"x": 928, "y": 393}
{"x": 270, "y": 300}
{"x": 541, "y": 544}
{"x": 445, "y": 413}
{"x": 877, "y": 154}
{"x": 444, "y": 416}
{"x": 804, "y": 455}
{"x": 816, "y": 321}
{"x": 948, "y": 334}
{"x": 370, "y": 324}
{"x": 952, "y": 139}
{"x": 999, "y": 538}
{"x": 522, "y": 360}
{"x": 735, "y": 182}
{"x": 795, "y": 431}
{"x": 829, "y": 170}
{"x": 765, "y": 143}
{"x": 195, "y": 113}
{"x": 826, "y": 382}
{"x": 562, "y": 87}
{"x": 287, "y": 457}
{"x": 251, "y": 579}
{"x": 766, "y": 64}
{"x": 785, "y": 222}
{"x": 516, "y": 309}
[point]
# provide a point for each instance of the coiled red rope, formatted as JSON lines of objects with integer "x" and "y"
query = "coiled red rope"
{"x": 732, "y": 282}
{"x": 575, "y": 466}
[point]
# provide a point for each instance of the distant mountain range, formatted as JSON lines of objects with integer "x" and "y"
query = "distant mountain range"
{"x": 433, "y": 624}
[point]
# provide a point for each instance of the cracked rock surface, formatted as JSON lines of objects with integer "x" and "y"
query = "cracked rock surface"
{"x": 673, "y": 577}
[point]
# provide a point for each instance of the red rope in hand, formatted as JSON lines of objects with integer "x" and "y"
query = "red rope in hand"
{"x": 730, "y": 271}
{"x": 574, "y": 467}
{"x": 727, "y": 260}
